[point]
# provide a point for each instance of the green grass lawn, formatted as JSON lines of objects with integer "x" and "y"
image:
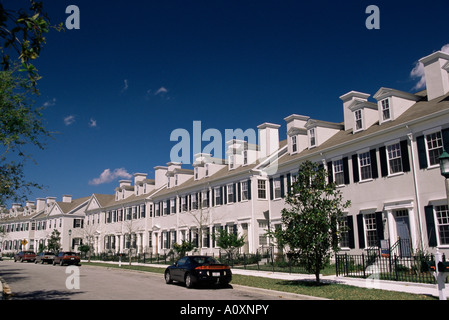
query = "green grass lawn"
{"x": 310, "y": 288}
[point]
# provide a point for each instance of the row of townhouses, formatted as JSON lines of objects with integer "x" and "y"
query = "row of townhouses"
{"x": 384, "y": 157}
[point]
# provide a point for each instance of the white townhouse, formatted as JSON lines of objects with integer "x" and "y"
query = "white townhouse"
{"x": 28, "y": 227}
{"x": 383, "y": 157}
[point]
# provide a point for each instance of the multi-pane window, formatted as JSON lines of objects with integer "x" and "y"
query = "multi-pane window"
{"x": 344, "y": 232}
{"x": 386, "y": 109}
{"x": 358, "y": 120}
{"x": 172, "y": 205}
{"x": 230, "y": 190}
{"x": 244, "y": 190}
{"x": 394, "y": 158}
{"x": 442, "y": 214}
{"x": 434, "y": 147}
{"x": 294, "y": 146}
{"x": 205, "y": 199}
{"x": 277, "y": 188}
{"x": 194, "y": 202}
{"x": 312, "y": 137}
{"x": 338, "y": 172}
{"x": 371, "y": 230}
{"x": 184, "y": 204}
{"x": 217, "y": 193}
{"x": 245, "y": 157}
{"x": 261, "y": 189}
{"x": 365, "y": 166}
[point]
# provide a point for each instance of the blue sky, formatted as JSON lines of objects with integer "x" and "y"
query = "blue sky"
{"x": 135, "y": 71}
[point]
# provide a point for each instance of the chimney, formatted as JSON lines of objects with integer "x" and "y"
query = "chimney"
{"x": 123, "y": 183}
{"x": 268, "y": 138}
{"x": 348, "y": 99}
{"x": 29, "y": 203}
{"x": 66, "y": 198}
{"x": 436, "y": 70}
{"x": 40, "y": 204}
{"x": 139, "y": 177}
{"x": 15, "y": 206}
{"x": 50, "y": 200}
{"x": 159, "y": 176}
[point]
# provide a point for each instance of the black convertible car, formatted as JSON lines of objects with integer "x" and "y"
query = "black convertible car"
{"x": 195, "y": 269}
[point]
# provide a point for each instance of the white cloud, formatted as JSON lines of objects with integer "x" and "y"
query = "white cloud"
{"x": 49, "y": 103}
{"x": 418, "y": 71}
{"x": 69, "y": 120}
{"x": 161, "y": 90}
{"x": 108, "y": 176}
{"x": 92, "y": 123}
{"x": 125, "y": 85}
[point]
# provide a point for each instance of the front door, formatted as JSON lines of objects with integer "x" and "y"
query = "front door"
{"x": 403, "y": 232}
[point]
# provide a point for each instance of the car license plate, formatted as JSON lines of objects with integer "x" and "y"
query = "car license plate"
{"x": 72, "y": 258}
{"x": 215, "y": 274}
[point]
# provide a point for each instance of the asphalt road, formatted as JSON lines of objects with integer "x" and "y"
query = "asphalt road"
{"x": 29, "y": 281}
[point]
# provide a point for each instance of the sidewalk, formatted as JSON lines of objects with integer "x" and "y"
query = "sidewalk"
{"x": 408, "y": 287}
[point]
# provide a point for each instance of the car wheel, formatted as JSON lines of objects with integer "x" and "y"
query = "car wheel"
{"x": 168, "y": 279}
{"x": 189, "y": 281}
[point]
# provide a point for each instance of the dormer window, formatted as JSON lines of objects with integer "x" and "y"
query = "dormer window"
{"x": 312, "y": 137}
{"x": 176, "y": 179}
{"x": 245, "y": 157}
{"x": 196, "y": 173}
{"x": 207, "y": 169}
{"x": 294, "y": 145}
{"x": 358, "y": 120}
{"x": 168, "y": 182}
{"x": 386, "y": 114}
{"x": 231, "y": 161}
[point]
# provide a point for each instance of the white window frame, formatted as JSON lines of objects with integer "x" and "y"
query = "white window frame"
{"x": 244, "y": 186}
{"x": 312, "y": 137}
{"x": 428, "y": 150}
{"x": 358, "y": 120}
{"x": 394, "y": 155}
{"x": 230, "y": 193}
{"x": 294, "y": 144}
{"x": 386, "y": 107}
{"x": 364, "y": 165}
{"x": 338, "y": 169}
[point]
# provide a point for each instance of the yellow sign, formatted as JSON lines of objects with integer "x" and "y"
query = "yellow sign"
{"x": 24, "y": 242}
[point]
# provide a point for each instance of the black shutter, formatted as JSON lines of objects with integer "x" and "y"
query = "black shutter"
{"x": 330, "y": 174}
{"x": 239, "y": 194}
{"x": 289, "y": 183}
{"x": 213, "y": 198}
{"x": 235, "y": 193}
{"x": 350, "y": 224}
{"x": 271, "y": 188}
{"x": 430, "y": 226}
{"x": 346, "y": 170}
{"x": 379, "y": 227}
{"x": 249, "y": 189}
{"x": 445, "y": 134}
{"x": 355, "y": 167}
{"x": 383, "y": 161}
{"x": 422, "y": 155}
{"x": 282, "y": 187}
{"x": 361, "y": 231}
{"x": 374, "y": 171}
{"x": 405, "y": 156}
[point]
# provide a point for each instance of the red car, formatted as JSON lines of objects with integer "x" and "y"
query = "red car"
{"x": 67, "y": 257}
{"x": 25, "y": 256}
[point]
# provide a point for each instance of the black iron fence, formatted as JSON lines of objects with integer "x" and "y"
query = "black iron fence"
{"x": 395, "y": 267}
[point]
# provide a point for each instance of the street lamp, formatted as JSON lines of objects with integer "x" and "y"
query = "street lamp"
{"x": 70, "y": 239}
{"x": 444, "y": 164}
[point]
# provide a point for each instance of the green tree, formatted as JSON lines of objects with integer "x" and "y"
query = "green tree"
{"x": 182, "y": 248}
{"x": 20, "y": 125}
{"x": 54, "y": 243}
{"x": 310, "y": 224}
{"x": 22, "y": 32}
{"x": 229, "y": 241}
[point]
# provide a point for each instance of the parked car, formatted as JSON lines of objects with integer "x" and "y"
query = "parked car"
{"x": 25, "y": 256}
{"x": 198, "y": 269}
{"x": 45, "y": 257}
{"x": 67, "y": 257}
